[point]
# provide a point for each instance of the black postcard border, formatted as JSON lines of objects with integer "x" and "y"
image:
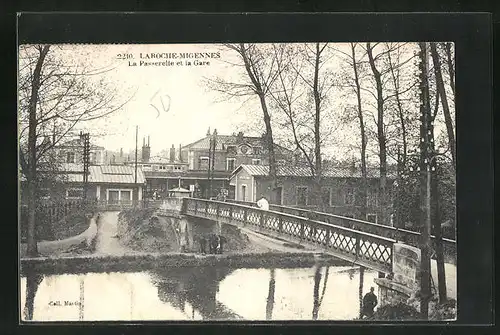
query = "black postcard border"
{"x": 472, "y": 34}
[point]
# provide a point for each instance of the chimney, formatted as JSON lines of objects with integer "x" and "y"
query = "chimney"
{"x": 208, "y": 132}
{"x": 121, "y": 152}
{"x": 180, "y": 153}
{"x": 146, "y": 151}
{"x": 172, "y": 154}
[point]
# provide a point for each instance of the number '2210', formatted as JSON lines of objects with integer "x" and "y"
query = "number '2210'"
{"x": 124, "y": 56}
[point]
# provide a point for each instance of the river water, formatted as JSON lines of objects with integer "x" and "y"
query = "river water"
{"x": 201, "y": 293}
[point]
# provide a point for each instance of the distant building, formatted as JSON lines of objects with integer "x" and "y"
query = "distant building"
{"x": 71, "y": 152}
{"x": 340, "y": 188}
{"x": 106, "y": 182}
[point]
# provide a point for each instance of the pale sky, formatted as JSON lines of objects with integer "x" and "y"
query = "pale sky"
{"x": 192, "y": 108}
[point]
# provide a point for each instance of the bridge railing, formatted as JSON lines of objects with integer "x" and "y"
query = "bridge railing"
{"x": 402, "y": 235}
{"x": 117, "y": 205}
{"x": 357, "y": 246}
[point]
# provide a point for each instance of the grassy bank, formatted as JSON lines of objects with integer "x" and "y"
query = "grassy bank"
{"x": 137, "y": 232}
{"x": 46, "y": 230}
{"x": 408, "y": 311}
{"x": 150, "y": 261}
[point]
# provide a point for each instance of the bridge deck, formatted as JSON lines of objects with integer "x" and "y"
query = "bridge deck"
{"x": 358, "y": 247}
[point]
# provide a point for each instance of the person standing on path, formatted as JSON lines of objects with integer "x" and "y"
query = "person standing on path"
{"x": 369, "y": 303}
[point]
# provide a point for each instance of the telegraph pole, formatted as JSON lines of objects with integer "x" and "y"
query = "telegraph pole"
{"x": 425, "y": 182}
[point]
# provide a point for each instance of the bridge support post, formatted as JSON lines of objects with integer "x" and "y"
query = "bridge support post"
{"x": 403, "y": 282}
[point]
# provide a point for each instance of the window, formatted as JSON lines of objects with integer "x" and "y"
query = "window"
{"x": 231, "y": 149}
{"x": 177, "y": 168}
{"x": 147, "y": 166}
{"x": 256, "y": 161}
{"x": 203, "y": 163}
{"x": 372, "y": 198}
{"x": 116, "y": 196}
{"x": 162, "y": 167}
{"x": 44, "y": 193}
{"x": 326, "y": 195}
{"x": 230, "y": 163}
{"x": 301, "y": 196}
{"x": 281, "y": 162}
{"x": 70, "y": 157}
{"x": 349, "y": 197}
{"x": 371, "y": 218}
{"x": 74, "y": 193}
{"x": 257, "y": 150}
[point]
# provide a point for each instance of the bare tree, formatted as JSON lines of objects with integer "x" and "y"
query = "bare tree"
{"x": 55, "y": 95}
{"x": 364, "y": 188}
{"x": 444, "y": 101}
{"x": 303, "y": 85}
{"x": 260, "y": 73}
{"x": 381, "y": 136}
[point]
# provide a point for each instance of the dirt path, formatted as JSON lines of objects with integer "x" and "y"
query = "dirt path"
{"x": 107, "y": 241}
{"x": 263, "y": 243}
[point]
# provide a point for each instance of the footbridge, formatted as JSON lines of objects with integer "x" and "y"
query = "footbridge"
{"x": 360, "y": 242}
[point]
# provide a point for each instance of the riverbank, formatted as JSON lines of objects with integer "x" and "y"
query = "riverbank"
{"x": 151, "y": 261}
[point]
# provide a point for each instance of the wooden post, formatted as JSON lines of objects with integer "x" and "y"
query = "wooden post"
{"x": 245, "y": 215}
{"x": 262, "y": 219}
{"x": 280, "y": 224}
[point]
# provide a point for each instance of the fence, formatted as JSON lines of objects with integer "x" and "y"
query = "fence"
{"x": 353, "y": 245}
{"x": 402, "y": 235}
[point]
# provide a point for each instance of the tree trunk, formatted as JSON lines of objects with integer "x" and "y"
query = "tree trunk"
{"x": 267, "y": 120}
{"x": 451, "y": 67}
{"x": 444, "y": 101}
{"x": 31, "y": 176}
{"x": 317, "y": 139}
{"x": 436, "y": 218}
{"x": 364, "y": 188}
{"x": 380, "y": 136}
{"x": 395, "y": 79}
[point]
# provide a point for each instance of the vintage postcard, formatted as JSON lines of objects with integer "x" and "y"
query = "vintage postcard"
{"x": 265, "y": 181}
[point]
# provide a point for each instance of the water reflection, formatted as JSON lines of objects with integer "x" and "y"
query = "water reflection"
{"x": 196, "y": 286}
{"x": 196, "y": 293}
{"x": 270, "y": 295}
{"x": 32, "y": 283}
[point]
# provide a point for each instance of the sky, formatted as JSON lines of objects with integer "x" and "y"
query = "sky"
{"x": 184, "y": 108}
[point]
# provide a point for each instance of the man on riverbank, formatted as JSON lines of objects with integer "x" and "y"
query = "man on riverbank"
{"x": 369, "y": 303}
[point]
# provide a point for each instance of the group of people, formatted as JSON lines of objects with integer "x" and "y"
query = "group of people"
{"x": 214, "y": 242}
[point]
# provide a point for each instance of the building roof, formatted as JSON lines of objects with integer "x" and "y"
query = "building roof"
{"x": 77, "y": 142}
{"x": 109, "y": 174}
{"x": 226, "y": 140}
{"x": 302, "y": 171}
